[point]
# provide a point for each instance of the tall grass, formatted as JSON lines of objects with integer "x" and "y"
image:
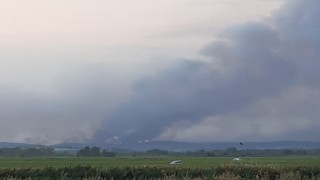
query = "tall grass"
{"x": 229, "y": 172}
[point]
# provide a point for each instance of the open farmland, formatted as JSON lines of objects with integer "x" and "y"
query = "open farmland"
{"x": 187, "y": 162}
{"x": 157, "y": 167}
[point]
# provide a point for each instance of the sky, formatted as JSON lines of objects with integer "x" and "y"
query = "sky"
{"x": 113, "y": 71}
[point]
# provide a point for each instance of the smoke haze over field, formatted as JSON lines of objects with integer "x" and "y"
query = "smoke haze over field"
{"x": 258, "y": 80}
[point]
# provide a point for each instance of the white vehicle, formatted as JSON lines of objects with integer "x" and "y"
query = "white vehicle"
{"x": 236, "y": 159}
{"x": 175, "y": 162}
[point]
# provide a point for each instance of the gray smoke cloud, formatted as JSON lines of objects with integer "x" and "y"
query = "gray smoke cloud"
{"x": 72, "y": 112}
{"x": 259, "y": 81}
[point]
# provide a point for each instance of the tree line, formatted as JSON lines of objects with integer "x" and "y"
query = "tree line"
{"x": 98, "y": 152}
{"x": 234, "y": 152}
{"x": 26, "y": 152}
{"x": 95, "y": 152}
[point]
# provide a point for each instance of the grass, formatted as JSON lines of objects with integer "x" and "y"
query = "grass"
{"x": 160, "y": 161}
{"x": 157, "y": 167}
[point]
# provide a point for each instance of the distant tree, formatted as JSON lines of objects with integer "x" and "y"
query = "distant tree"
{"x": 85, "y": 152}
{"x": 211, "y": 154}
{"x": 26, "y": 152}
{"x": 287, "y": 152}
{"x": 231, "y": 150}
{"x": 106, "y": 153}
{"x": 31, "y": 152}
{"x": 95, "y": 151}
{"x": 157, "y": 152}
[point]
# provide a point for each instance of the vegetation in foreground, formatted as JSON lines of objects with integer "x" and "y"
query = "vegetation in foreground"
{"x": 157, "y": 167}
{"x": 159, "y": 161}
{"x": 222, "y": 172}
{"x": 43, "y": 163}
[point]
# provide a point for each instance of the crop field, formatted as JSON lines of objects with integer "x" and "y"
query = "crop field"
{"x": 159, "y": 161}
{"x": 158, "y": 167}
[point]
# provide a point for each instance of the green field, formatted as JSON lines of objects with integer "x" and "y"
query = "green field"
{"x": 157, "y": 167}
{"x": 187, "y": 162}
